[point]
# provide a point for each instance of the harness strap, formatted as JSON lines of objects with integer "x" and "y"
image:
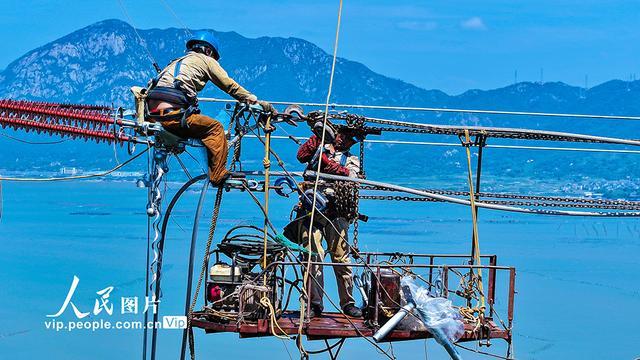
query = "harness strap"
{"x": 176, "y": 69}
{"x": 182, "y": 114}
{"x": 157, "y": 78}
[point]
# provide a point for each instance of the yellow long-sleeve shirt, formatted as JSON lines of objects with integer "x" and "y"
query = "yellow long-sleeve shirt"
{"x": 194, "y": 72}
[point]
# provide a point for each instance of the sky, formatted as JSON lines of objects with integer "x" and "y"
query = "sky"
{"x": 448, "y": 45}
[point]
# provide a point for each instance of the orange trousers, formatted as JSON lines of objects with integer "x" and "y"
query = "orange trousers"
{"x": 211, "y": 133}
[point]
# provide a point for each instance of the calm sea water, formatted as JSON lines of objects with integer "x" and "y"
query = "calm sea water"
{"x": 577, "y": 285}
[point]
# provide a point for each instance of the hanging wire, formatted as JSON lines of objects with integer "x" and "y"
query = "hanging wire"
{"x": 34, "y": 142}
{"x": 175, "y": 16}
{"x": 142, "y": 42}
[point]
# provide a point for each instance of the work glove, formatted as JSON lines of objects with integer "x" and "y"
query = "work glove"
{"x": 251, "y": 99}
{"x": 268, "y": 107}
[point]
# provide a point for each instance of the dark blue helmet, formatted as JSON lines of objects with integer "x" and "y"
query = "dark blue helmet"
{"x": 205, "y": 38}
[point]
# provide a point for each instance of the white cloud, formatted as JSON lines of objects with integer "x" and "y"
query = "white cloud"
{"x": 418, "y": 25}
{"x": 474, "y": 23}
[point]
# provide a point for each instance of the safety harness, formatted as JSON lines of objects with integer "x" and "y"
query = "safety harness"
{"x": 184, "y": 106}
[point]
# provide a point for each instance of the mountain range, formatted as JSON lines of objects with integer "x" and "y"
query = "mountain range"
{"x": 99, "y": 63}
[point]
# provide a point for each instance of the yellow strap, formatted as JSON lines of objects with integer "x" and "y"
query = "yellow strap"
{"x": 475, "y": 240}
{"x": 267, "y": 165}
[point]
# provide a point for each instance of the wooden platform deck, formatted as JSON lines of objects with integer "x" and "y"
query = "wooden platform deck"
{"x": 333, "y": 326}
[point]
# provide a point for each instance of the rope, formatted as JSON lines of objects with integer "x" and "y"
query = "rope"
{"x": 469, "y": 312}
{"x": 509, "y": 147}
{"x": 267, "y": 166}
{"x": 192, "y": 258}
{"x": 203, "y": 270}
{"x": 303, "y": 303}
{"x": 78, "y": 177}
{"x": 273, "y": 321}
{"x": 328, "y": 348}
{"x": 475, "y": 254}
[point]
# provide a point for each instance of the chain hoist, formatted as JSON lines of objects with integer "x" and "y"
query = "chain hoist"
{"x": 345, "y": 200}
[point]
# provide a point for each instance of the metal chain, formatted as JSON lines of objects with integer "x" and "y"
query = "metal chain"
{"x": 560, "y": 199}
{"x": 435, "y": 129}
{"x": 345, "y": 200}
{"x": 355, "y": 249}
{"x": 362, "y": 159}
{"x": 507, "y": 202}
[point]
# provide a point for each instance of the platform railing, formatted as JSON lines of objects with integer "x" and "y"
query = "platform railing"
{"x": 445, "y": 269}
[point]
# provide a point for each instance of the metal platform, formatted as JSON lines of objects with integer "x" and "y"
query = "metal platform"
{"x": 335, "y": 326}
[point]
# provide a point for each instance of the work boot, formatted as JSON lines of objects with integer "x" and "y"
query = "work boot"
{"x": 352, "y": 310}
{"x": 316, "y": 311}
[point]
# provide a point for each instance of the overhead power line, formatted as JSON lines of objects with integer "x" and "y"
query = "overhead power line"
{"x": 442, "y": 110}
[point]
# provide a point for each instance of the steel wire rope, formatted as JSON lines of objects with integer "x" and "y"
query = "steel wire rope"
{"x": 443, "y": 110}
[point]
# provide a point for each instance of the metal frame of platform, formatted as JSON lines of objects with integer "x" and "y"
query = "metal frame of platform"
{"x": 332, "y": 325}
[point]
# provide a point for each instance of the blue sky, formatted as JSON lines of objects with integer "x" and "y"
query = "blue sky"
{"x": 448, "y": 45}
